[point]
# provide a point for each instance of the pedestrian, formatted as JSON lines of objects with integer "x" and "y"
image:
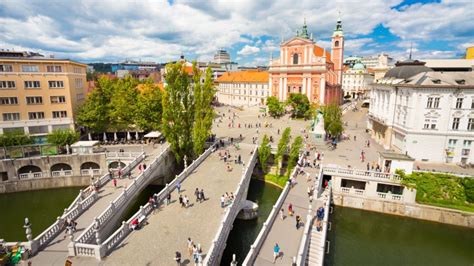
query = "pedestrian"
{"x": 290, "y": 209}
{"x": 276, "y": 252}
{"x": 282, "y": 214}
{"x": 186, "y": 201}
{"x": 190, "y": 246}
{"x": 168, "y": 199}
{"x": 120, "y": 173}
{"x": 239, "y": 159}
{"x": 355, "y": 138}
{"x": 177, "y": 257}
{"x": 199, "y": 255}
{"x": 178, "y": 186}
{"x": 115, "y": 182}
{"x": 298, "y": 221}
{"x": 368, "y": 166}
{"x": 144, "y": 166}
{"x": 278, "y": 131}
{"x": 197, "y": 194}
{"x": 194, "y": 251}
{"x": 222, "y": 201}
{"x": 181, "y": 200}
{"x": 203, "y": 198}
{"x": 309, "y": 191}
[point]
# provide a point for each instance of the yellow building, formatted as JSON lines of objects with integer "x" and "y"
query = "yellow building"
{"x": 470, "y": 52}
{"x": 39, "y": 94}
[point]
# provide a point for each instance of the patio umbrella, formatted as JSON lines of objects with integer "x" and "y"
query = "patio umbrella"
{"x": 89, "y": 135}
{"x": 115, "y": 136}
{"x": 105, "y": 137}
{"x": 128, "y": 135}
{"x": 136, "y": 135}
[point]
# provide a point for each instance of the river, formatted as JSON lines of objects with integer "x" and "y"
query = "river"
{"x": 368, "y": 238}
{"x": 42, "y": 207}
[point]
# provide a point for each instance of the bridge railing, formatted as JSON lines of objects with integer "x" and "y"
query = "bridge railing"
{"x": 267, "y": 225}
{"x": 219, "y": 242}
{"x": 361, "y": 173}
{"x": 101, "y": 250}
{"x": 124, "y": 155}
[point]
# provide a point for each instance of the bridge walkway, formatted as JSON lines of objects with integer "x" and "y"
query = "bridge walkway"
{"x": 56, "y": 252}
{"x": 169, "y": 227}
{"x": 284, "y": 231}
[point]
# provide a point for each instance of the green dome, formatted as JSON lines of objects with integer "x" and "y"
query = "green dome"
{"x": 358, "y": 66}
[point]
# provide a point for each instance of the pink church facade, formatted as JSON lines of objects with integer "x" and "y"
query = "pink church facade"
{"x": 304, "y": 67}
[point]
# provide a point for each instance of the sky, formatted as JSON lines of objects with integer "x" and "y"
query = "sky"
{"x": 250, "y": 30}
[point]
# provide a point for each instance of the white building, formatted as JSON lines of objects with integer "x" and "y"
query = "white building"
{"x": 356, "y": 81}
{"x": 243, "y": 88}
{"x": 425, "y": 114}
{"x": 221, "y": 57}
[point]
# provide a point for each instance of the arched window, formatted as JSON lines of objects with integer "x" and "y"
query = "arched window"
{"x": 295, "y": 59}
{"x": 336, "y": 44}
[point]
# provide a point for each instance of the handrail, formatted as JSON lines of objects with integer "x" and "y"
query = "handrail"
{"x": 362, "y": 173}
{"x": 212, "y": 257}
{"x": 267, "y": 225}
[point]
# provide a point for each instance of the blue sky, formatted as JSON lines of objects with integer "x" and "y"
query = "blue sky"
{"x": 251, "y": 30}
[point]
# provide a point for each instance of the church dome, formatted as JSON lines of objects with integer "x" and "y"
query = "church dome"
{"x": 358, "y": 66}
{"x": 407, "y": 69}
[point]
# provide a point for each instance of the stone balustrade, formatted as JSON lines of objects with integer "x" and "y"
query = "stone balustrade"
{"x": 61, "y": 173}
{"x": 267, "y": 225}
{"x": 120, "y": 155}
{"x": 362, "y": 174}
{"x": 219, "y": 242}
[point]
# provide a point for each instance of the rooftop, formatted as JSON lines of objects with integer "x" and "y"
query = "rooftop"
{"x": 250, "y": 76}
{"x": 395, "y": 156}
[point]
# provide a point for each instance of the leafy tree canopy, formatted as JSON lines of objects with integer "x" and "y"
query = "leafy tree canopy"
{"x": 299, "y": 104}
{"x": 275, "y": 107}
{"x": 62, "y": 137}
{"x": 264, "y": 152}
{"x": 15, "y": 138}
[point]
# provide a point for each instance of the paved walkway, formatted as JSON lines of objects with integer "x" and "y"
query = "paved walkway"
{"x": 56, "y": 252}
{"x": 284, "y": 231}
{"x": 168, "y": 229}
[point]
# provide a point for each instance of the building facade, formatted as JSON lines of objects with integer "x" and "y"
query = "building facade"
{"x": 425, "y": 114}
{"x": 304, "y": 67}
{"x": 356, "y": 81}
{"x": 243, "y": 88}
{"x": 221, "y": 57}
{"x": 39, "y": 94}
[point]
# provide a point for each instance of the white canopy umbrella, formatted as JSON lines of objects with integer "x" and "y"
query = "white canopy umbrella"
{"x": 136, "y": 135}
{"x": 89, "y": 135}
{"x": 129, "y": 137}
{"x": 115, "y": 136}
{"x": 105, "y": 137}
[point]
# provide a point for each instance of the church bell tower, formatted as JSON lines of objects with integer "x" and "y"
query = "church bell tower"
{"x": 337, "y": 50}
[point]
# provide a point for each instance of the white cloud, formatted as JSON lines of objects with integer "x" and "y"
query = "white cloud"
{"x": 248, "y": 50}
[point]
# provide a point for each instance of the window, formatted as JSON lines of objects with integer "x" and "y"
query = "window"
{"x": 59, "y": 114}
{"x": 429, "y": 104}
{"x": 29, "y": 68}
{"x": 465, "y": 152}
{"x": 459, "y": 103}
{"x": 470, "y": 124}
{"x": 436, "y": 102}
{"x": 6, "y": 68}
{"x": 77, "y": 70}
{"x": 295, "y": 59}
{"x": 34, "y": 100}
{"x": 452, "y": 142}
{"x": 11, "y": 117}
{"x": 467, "y": 143}
{"x": 7, "y": 84}
{"x": 456, "y": 123}
{"x": 54, "y": 69}
{"x": 78, "y": 83}
{"x": 38, "y": 129}
{"x": 433, "y": 126}
{"x": 35, "y": 115}
{"x": 32, "y": 84}
{"x": 58, "y": 99}
{"x": 426, "y": 126}
{"x": 8, "y": 100}
{"x": 56, "y": 84}
{"x": 336, "y": 44}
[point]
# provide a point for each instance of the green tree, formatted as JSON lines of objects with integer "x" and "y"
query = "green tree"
{"x": 282, "y": 148}
{"x": 264, "y": 152}
{"x": 178, "y": 111}
{"x": 203, "y": 111}
{"x": 93, "y": 114}
{"x": 15, "y": 138}
{"x": 63, "y": 137}
{"x": 299, "y": 104}
{"x": 122, "y": 105}
{"x": 275, "y": 107}
{"x": 333, "y": 119}
{"x": 294, "y": 154}
{"x": 149, "y": 107}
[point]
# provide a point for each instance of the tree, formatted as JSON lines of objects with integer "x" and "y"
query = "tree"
{"x": 264, "y": 152}
{"x": 299, "y": 104}
{"x": 122, "y": 105}
{"x": 62, "y": 137}
{"x": 282, "y": 148}
{"x": 333, "y": 119}
{"x": 275, "y": 108}
{"x": 294, "y": 154}
{"x": 149, "y": 107}
{"x": 203, "y": 111}
{"x": 15, "y": 138}
{"x": 178, "y": 111}
{"x": 93, "y": 114}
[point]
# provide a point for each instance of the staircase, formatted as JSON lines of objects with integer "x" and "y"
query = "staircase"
{"x": 317, "y": 241}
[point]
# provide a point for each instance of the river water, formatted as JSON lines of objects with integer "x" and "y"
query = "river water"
{"x": 42, "y": 207}
{"x": 368, "y": 238}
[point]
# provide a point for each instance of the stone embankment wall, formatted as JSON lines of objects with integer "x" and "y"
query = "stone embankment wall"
{"x": 44, "y": 183}
{"x": 417, "y": 211}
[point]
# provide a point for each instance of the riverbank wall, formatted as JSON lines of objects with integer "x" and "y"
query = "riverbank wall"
{"x": 417, "y": 211}
{"x": 44, "y": 183}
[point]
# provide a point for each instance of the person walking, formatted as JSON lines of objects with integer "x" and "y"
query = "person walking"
{"x": 186, "y": 201}
{"x": 178, "y": 186}
{"x": 144, "y": 166}
{"x": 298, "y": 221}
{"x": 290, "y": 209}
{"x": 197, "y": 194}
{"x": 203, "y": 198}
{"x": 168, "y": 199}
{"x": 190, "y": 246}
{"x": 222, "y": 201}
{"x": 177, "y": 257}
{"x": 276, "y": 252}
{"x": 181, "y": 200}
{"x": 115, "y": 182}
{"x": 282, "y": 214}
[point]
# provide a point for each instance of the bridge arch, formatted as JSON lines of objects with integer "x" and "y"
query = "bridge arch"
{"x": 60, "y": 167}
{"x": 29, "y": 169}
{"x": 117, "y": 165}
{"x": 89, "y": 165}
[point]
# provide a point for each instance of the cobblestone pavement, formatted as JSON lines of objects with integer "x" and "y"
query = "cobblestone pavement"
{"x": 57, "y": 252}
{"x": 168, "y": 229}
